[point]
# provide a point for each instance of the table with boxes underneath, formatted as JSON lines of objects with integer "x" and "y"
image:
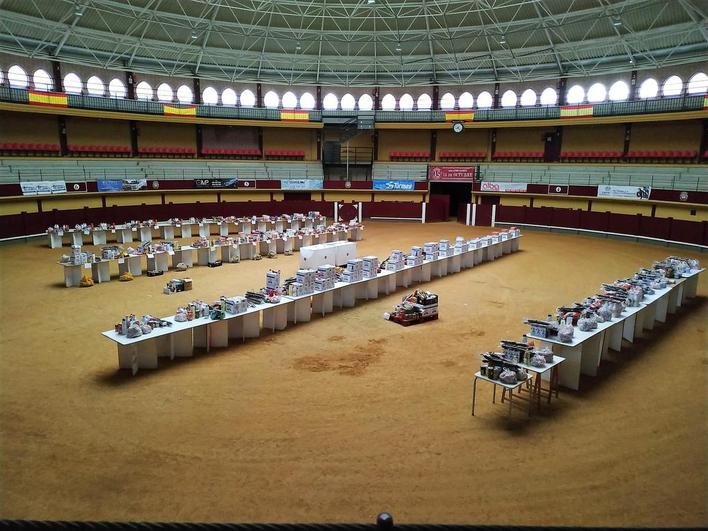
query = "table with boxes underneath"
{"x": 162, "y": 256}
{"x": 294, "y": 300}
{"x": 145, "y": 231}
{"x": 585, "y": 349}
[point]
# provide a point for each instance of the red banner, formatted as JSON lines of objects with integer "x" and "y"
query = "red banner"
{"x": 452, "y": 173}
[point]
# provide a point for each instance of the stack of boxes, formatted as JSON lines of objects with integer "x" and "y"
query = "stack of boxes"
{"x": 445, "y": 248}
{"x": 460, "y": 245}
{"x": 234, "y": 305}
{"x": 273, "y": 279}
{"x": 473, "y": 244}
{"x": 304, "y": 282}
{"x": 395, "y": 261}
{"x": 354, "y": 271}
{"x": 416, "y": 256}
{"x": 325, "y": 278}
{"x": 370, "y": 266}
{"x": 431, "y": 251}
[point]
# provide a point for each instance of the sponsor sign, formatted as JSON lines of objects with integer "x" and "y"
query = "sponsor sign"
{"x": 558, "y": 189}
{"x": 301, "y": 184}
{"x": 250, "y": 183}
{"x": 122, "y": 185}
{"x": 385, "y": 184}
{"x": 76, "y": 187}
{"x": 624, "y": 192}
{"x": 452, "y": 173}
{"x": 503, "y": 187}
{"x": 43, "y": 187}
{"x": 215, "y": 183}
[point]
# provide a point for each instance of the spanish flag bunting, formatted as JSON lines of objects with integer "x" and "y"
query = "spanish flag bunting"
{"x": 459, "y": 116}
{"x": 49, "y": 99}
{"x": 705, "y": 101}
{"x": 576, "y": 111}
{"x": 294, "y": 116}
{"x": 183, "y": 110}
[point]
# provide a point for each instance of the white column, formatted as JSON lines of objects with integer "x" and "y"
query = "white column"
{"x": 422, "y": 217}
{"x": 473, "y": 221}
{"x": 494, "y": 214}
{"x": 467, "y": 215}
{"x": 360, "y": 212}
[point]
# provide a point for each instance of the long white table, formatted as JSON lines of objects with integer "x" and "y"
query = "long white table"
{"x": 181, "y": 339}
{"x": 587, "y": 349}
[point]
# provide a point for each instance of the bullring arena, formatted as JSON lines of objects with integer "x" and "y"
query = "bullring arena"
{"x": 291, "y": 402}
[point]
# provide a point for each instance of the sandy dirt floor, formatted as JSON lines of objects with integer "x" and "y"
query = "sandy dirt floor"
{"x": 346, "y": 416}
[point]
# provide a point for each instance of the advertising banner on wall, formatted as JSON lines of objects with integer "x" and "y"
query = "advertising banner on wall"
{"x": 43, "y": 187}
{"x": 301, "y": 184}
{"x": 385, "y": 184}
{"x": 215, "y": 183}
{"x": 623, "y": 192}
{"x": 503, "y": 187}
{"x": 121, "y": 185}
{"x": 452, "y": 173}
{"x": 248, "y": 183}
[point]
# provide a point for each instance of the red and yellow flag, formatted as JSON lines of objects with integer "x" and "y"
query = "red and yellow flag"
{"x": 49, "y": 99}
{"x": 576, "y": 111}
{"x": 182, "y": 110}
{"x": 705, "y": 101}
{"x": 295, "y": 116}
{"x": 459, "y": 116}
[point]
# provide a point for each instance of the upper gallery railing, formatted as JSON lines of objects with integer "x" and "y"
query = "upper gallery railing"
{"x": 615, "y": 108}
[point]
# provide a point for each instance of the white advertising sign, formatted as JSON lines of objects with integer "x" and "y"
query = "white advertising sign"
{"x": 43, "y": 187}
{"x": 624, "y": 192}
{"x": 502, "y": 187}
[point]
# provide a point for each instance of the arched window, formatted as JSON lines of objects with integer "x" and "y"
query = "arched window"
{"x": 672, "y": 86}
{"x": 307, "y": 101}
{"x": 424, "y": 103}
{"x": 465, "y": 101}
{"x": 406, "y": 103}
{"x": 484, "y": 100}
{"x": 528, "y": 98}
{"x": 649, "y": 89}
{"x": 248, "y": 98}
{"x": 2, "y": 77}
{"x": 72, "y": 84}
{"x": 165, "y": 93}
{"x": 210, "y": 96}
{"x": 447, "y": 102}
{"x": 17, "y": 77}
{"x": 289, "y": 100}
{"x": 330, "y": 102}
{"x": 348, "y": 102}
{"x": 619, "y": 91}
{"x": 508, "y": 99}
{"x": 575, "y": 95}
{"x": 228, "y": 97}
{"x": 143, "y": 91}
{"x": 184, "y": 94}
{"x": 388, "y": 102}
{"x": 597, "y": 93}
{"x": 549, "y": 96}
{"x": 366, "y": 102}
{"x": 95, "y": 87}
{"x": 698, "y": 84}
{"x": 116, "y": 88}
{"x": 42, "y": 81}
{"x": 271, "y": 100}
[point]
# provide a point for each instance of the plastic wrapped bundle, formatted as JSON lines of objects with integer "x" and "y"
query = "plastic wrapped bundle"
{"x": 145, "y": 328}
{"x": 181, "y": 315}
{"x": 635, "y": 295}
{"x": 521, "y": 375}
{"x": 538, "y": 361}
{"x": 134, "y": 331}
{"x": 507, "y": 376}
{"x": 605, "y": 311}
{"x": 565, "y": 333}
{"x": 86, "y": 281}
{"x": 584, "y": 324}
{"x": 547, "y": 354}
{"x": 694, "y": 264}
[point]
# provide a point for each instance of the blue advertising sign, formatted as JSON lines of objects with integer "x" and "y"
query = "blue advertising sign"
{"x": 107, "y": 185}
{"x": 385, "y": 184}
{"x": 301, "y": 184}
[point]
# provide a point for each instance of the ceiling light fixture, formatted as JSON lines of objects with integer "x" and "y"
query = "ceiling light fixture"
{"x": 370, "y": 1}
{"x": 616, "y": 21}
{"x": 502, "y": 40}
{"x": 194, "y": 34}
{"x": 398, "y": 47}
{"x": 298, "y": 47}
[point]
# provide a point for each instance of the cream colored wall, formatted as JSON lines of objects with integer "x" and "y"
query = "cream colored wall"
{"x": 557, "y": 202}
{"x": 510, "y": 200}
{"x": 402, "y": 140}
{"x": 238, "y": 196}
{"x": 293, "y": 139}
{"x": 468, "y": 140}
{"x": 522, "y": 138}
{"x": 347, "y": 196}
{"x": 134, "y": 199}
{"x": 682, "y": 212}
{"x": 593, "y": 138}
{"x": 152, "y": 134}
{"x": 18, "y": 207}
{"x": 97, "y": 131}
{"x": 684, "y": 135}
{"x": 620, "y": 207}
{"x": 25, "y": 128}
{"x": 193, "y": 197}
{"x": 70, "y": 203}
{"x": 398, "y": 196}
